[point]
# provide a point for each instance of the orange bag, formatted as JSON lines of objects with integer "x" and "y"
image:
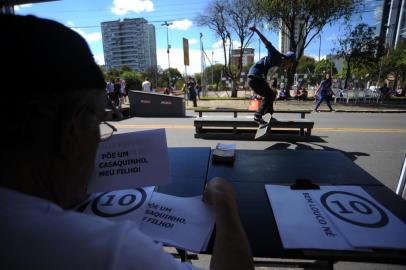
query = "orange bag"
{"x": 254, "y": 104}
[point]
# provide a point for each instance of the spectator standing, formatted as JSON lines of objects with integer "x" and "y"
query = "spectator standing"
{"x": 110, "y": 89}
{"x": 190, "y": 87}
{"x": 146, "y": 85}
{"x": 117, "y": 93}
{"x": 123, "y": 92}
{"x": 324, "y": 93}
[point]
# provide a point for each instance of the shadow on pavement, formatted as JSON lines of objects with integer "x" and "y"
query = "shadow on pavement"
{"x": 300, "y": 146}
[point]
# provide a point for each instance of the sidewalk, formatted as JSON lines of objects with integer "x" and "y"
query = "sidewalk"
{"x": 303, "y": 105}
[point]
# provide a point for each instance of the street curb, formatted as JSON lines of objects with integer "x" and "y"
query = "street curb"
{"x": 347, "y": 111}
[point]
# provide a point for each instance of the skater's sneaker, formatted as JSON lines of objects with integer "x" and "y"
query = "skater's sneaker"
{"x": 259, "y": 120}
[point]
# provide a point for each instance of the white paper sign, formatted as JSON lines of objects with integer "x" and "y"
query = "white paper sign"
{"x": 301, "y": 221}
{"x": 128, "y": 204}
{"x": 356, "y": 219}
{"x": 181, "y": 222}
{"x": 130, "y": 160}
{"x": 185, "y": 223}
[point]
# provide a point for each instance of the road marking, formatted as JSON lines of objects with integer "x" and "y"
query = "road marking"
{"x": 155, "y": 126}
{"x": 359, "y": 130}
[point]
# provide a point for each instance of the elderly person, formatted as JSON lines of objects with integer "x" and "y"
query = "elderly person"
{"x": 48, "y": 154}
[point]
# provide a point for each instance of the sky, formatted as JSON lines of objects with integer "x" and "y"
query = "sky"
{"x": 85, "y": 16}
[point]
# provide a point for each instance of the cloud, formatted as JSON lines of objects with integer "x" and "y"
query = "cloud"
{"x": 99, "y": 58}
{"x": 16, "y": 8}
{"x": 333, "y": 37}
{"x": 184, "y": 25}
{"x": 219, "y": 44}
{"x": 316, "y": 57}
{"x": 92, "y": 37}
{"x": 122, "y": 7}
{"x": 192, "y": 41}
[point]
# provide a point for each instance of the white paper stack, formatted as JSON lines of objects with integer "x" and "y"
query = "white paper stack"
{"x": 334, "y": 218}
{"x": 185, "y": 223}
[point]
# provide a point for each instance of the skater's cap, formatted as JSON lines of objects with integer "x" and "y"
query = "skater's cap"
{"x": 290, "y": 56}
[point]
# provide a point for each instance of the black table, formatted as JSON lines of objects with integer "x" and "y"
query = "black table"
{"x": 253, "y": 169}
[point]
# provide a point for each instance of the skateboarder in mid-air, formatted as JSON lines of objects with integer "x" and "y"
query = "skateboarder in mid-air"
{"x": 258, "y": 73}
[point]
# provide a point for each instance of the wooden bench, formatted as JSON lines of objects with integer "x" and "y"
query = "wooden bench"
{"x": 236, "y": 111}
{"x": 238, "y": 126}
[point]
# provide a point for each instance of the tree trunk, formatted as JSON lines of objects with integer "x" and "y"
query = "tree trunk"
{"x": 291, "y": 77}
{"x": 233, "y": 88}
{"x": 347, "y": 76}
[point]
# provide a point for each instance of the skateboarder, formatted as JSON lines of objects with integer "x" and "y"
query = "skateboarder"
{"x": 258, "y": 73}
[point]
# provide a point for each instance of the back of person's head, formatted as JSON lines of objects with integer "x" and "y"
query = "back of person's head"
{"x": 49, "y": 70}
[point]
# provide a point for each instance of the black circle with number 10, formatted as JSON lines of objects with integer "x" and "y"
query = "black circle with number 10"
{"x": 363, "y": 207}
{"x": 124, "y": 200}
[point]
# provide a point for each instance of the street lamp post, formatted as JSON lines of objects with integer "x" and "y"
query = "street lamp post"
{"x": 319, "y": 46}
{"x": 212, "y": 67}
{"x": 167, "y": 40}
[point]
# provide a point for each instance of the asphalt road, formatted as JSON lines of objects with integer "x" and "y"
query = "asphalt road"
{"x": 375, "y": 141}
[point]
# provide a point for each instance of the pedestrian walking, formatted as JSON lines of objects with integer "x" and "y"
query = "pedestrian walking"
{"x": 324, "y": 92}
{"x": 258, "y": 73}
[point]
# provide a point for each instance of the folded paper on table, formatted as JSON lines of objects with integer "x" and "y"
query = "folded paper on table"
{"x": 185, "y": 223}
{"x": 131, "y": 160}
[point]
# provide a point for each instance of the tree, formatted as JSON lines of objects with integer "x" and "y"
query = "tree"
{"x": 306, "y": 65}
{"x": 154, "y": 75}
{"x": 309, "y": 17}
{"x": 358, "y": 47}
{"x": 395, "y": 62}
{"x": 216, "y": 70}
{"x": 325, "y": 66}
{"x": 133, "y": 79}
{"x": 229, "y": 19}
{"x": 173, "y": 74}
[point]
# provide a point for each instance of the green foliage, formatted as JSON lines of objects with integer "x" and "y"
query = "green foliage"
{"x": 395, "y": 61}
{"x": 359, "y": 48}
{"x": 133, "y": 79}
{"x": 170, "y": 73}
{"x": 325, "y": 66}
{"x": 306, "y": 65}
{"x": 217, "y": 71}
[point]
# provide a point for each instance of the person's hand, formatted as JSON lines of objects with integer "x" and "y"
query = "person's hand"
{"x": 219, "y": 193}
{"x": 252, "y": 28}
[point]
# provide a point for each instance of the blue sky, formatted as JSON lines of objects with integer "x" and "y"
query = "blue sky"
{"x": 85, "y": 17}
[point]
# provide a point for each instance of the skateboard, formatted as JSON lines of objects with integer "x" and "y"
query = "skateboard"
{"x": 264, "y": 129}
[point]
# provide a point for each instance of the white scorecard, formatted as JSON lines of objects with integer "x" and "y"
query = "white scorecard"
{"x": 334, "y": 217}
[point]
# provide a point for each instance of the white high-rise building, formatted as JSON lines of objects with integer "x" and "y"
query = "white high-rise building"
{"x": 284, "y": 41}
{"x": 129, "y": 42}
